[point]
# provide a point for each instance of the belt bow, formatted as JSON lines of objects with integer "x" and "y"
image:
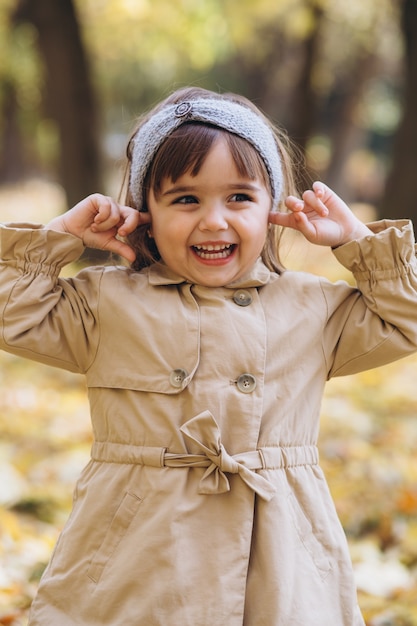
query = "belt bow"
{"x": 204, "y": 431}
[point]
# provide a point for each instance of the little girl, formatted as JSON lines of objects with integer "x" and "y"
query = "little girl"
{"x": 203, "y": 503}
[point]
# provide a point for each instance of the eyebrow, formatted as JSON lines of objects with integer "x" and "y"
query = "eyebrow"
{"x": 193, "y": 188}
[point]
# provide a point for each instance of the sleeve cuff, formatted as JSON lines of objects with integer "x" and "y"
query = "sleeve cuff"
{"x": 33, "y": 244}
{"x": 391, "y": 247}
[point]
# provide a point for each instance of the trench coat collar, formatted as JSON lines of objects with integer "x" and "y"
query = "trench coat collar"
{"x": 161, "y": 274}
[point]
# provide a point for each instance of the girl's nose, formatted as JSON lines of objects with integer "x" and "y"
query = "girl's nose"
{"x": 213, "y": 218}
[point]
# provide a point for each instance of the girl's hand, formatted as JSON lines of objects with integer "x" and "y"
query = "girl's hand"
{"x": 322, "y": 217}
{"x": 98, "y": 221}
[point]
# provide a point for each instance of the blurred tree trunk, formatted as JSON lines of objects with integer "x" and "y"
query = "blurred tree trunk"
{"x": 304, "y": 98}
{"x": 345, "y": 135}
{"x": 69, "y": 95}
{"x": 400, "y": 198}
{"x": 12, "y": 159}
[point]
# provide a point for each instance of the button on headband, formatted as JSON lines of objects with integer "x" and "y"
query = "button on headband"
{"x": 183, "y": 109}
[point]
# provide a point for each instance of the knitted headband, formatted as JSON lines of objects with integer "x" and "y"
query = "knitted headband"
{"x": 231, "y": 116}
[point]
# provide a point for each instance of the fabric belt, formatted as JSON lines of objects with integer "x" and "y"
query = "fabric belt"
{"x": 204, "y": 431}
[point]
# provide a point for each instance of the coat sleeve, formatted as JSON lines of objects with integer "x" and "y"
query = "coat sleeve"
{"x": 44, "y": 317}
{"x": 377, "y": 323}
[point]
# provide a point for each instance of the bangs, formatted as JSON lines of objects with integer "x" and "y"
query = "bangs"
{"x": 186, "y": 149}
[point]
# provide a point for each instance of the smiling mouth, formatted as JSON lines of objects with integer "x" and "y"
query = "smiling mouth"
{"x": 214, "y": 251}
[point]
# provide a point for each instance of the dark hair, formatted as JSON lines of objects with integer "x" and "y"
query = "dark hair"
{"x": 185, "y": 151}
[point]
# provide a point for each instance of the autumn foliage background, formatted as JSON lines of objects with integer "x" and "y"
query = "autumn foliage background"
{"x": 341, "y": 78}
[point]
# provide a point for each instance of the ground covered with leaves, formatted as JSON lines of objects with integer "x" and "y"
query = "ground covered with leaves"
{"x": 368, "y": 448}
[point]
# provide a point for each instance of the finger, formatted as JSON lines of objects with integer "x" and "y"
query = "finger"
{"x": 305, "y": 226}
{"x": 280, "y": 219}
{"x": 297, "y": 221}
{"x": 131, "y": 220}
{"x": 102, "y": 206}
{"x": 320, "y": 189}
{"x": 313, "y": 202}
{"x": 294, "y": 204}
{"x": 121, "y": 248}
{"x": 332, "y": 201}
{"x": 108, "y": 215}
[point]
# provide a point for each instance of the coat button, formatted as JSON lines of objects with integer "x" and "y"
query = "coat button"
{"x": 177, "y": 377}
{"x": 246, "y": 383}
{"x": 242, "y": 297}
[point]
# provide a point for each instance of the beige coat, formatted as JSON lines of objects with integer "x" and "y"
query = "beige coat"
{"x": 204, "y": 504}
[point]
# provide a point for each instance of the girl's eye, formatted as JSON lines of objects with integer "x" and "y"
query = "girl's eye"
{"x": 186, "y": 200}
{"x": 240, "y": 197}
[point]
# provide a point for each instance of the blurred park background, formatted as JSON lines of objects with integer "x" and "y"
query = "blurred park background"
{"x": 341, "y": 77}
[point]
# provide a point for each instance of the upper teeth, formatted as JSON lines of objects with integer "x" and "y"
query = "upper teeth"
{"x": 216, "y": 248}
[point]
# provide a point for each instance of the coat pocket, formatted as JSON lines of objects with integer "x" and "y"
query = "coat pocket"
{"x": 307, "y": 537}
{"x": 115, "y": 533}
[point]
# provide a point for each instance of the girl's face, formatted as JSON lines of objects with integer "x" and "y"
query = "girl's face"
{"x": 210, "y": 228}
